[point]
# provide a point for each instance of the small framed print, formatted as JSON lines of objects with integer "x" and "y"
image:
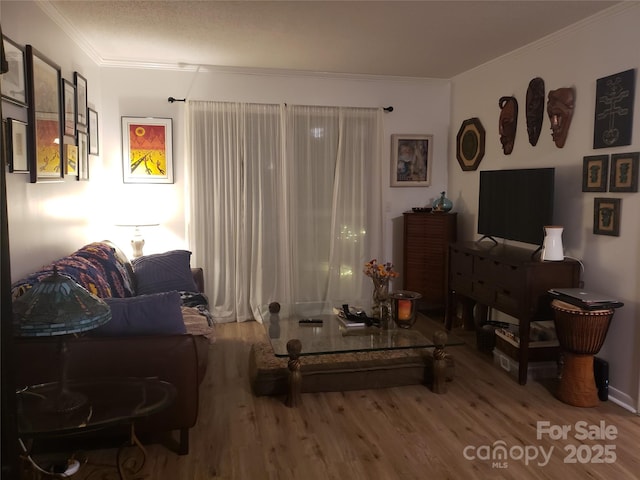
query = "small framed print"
{"x": 624, "y": 172}
{"x": 13, "y": 83}
{"x": 71, "y": 160}
{"x": 17, "y": 146}
{"x": 94, "y": 148}
{"x": 606, "y": 216}
{"x": 81, "y": 100}
{"x": 83, "y": 156}
{"x": 595, "y": 172}
{"x": 411, "y": 160}
{"x": 69, "y": 108}
{"x": 147, "y": 150}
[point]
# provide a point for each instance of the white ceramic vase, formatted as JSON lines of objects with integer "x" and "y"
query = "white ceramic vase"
{"x": 552, "y": 247}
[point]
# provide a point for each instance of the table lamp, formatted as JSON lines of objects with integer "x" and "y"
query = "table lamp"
{"x": 137, "y": 242}
{"x": 58, "y": 306}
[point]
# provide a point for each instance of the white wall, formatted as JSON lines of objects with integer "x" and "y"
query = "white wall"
{"x": 47, "y": 221}
{"x": 420, "y": 106}
{"x": 575, "y": 57}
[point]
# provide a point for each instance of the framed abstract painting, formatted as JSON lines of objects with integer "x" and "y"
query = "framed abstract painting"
{"x": 147, "y": 150}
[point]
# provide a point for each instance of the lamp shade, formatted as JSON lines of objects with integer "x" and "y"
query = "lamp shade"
{"x": 57, "y": 306}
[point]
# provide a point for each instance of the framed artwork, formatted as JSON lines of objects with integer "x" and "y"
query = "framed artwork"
{"x": 147, "y": 150}
{"x": 44, "y": 126}
{"x": 470, "y": 143}
{"x": 595, "y": 172}
{"x": 13, "y": 83}
{"x": 624, "y": 172}
{"x": 613, "y": 121}
{"x": 17, "y": 146}
{"x": 606, "y": 216}
{"x": 94, "y": 148}
{"x": 411, "y": 160}
{"x": 69, "y": 107}
{"x": 71, "y": 160}
{"x": 81, "y": 100}
{"x": 83, "y": 156}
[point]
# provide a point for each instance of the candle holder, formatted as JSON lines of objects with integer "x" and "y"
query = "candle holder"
{"x": 404, "y": 307}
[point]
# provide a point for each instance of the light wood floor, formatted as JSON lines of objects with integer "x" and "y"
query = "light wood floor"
{"x": 397, "y": 433}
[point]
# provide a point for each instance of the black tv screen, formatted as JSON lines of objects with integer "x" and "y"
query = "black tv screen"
{"x": 516, "y": 204}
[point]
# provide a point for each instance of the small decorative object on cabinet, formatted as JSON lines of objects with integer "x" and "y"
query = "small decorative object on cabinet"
{"x": 426, "y": 241}
{"x": 442, "y": 204}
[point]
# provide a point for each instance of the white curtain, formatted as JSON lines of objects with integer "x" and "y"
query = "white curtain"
{"x": 284, "y": 202}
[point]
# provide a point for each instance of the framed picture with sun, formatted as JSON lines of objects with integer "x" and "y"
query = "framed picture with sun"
{"x": 147, "y": 150}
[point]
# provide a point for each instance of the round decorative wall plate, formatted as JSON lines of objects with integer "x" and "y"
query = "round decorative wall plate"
{"x": 470, "y": 144}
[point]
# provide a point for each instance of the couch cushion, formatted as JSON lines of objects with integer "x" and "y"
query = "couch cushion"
{"x": 143, "y": 315}
{"x": 164, "y": 272}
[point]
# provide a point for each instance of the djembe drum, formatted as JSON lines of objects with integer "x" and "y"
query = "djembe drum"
{"x": 581, "y": 334}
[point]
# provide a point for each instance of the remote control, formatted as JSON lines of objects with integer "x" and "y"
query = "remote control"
{"x": 310, "y": 321}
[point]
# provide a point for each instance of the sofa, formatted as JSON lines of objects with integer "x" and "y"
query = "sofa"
{"x": 160, "y": 327}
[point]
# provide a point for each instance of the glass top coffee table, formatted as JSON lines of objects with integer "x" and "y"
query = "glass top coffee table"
{"x": 314, "y": 328}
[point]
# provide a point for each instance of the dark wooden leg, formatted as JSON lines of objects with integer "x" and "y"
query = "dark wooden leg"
{"x": 467, "y": 313}
{"x": 439, "y": 362}
{"x": 183, "y": 446}
{"x": 294, "y": 397}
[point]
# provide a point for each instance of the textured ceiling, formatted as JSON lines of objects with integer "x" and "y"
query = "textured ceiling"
{"x": 435, "y": 39}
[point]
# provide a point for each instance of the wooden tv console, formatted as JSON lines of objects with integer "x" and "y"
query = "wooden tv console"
{"x": 508, "y": 279}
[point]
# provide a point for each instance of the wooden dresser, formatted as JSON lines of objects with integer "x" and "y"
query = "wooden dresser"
{"x": 507, "y": 279}
{"x": 426, "y": 241}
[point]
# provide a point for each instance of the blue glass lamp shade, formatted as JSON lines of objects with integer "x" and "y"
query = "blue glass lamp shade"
{"x": 57, "y": 306}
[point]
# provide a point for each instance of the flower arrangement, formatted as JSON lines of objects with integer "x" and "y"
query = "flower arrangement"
{"x": 379, "y": 272}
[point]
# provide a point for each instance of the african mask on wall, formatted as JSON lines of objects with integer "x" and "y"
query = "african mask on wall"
{"x": 535, "y": 109}
{"x": 508, "y": 122}
{"x": 560, "y": 106}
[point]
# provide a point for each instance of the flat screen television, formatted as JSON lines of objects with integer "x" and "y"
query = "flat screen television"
{"x": 516, "y": 204}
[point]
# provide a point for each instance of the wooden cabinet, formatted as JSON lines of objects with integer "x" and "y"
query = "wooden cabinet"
{"x": 508, "y": 279}
{"x": 426, "y": 241}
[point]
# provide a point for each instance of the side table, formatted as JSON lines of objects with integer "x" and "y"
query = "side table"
{"x": 110, "y": 402}
{"x": 581, "y": 334}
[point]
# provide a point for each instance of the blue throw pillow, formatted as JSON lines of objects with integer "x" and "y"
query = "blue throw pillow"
{"x": 157, "y": 314}
{"x": 164, "y": 272}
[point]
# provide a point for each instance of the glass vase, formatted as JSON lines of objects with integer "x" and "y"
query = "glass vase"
{"x": 381, "y": 305}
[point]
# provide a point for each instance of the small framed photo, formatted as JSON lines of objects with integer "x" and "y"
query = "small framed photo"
{"x": 13, "y": 83}
{"x": 606, "y": 216}
{"x": 83, "y": 156}
{"x": 69, "y": 108}
{"x": 17, "y": 146}
{"x": 624, "y": 172}
{"x": 81, "y": 100}
{"x": 71, "y": 160}
{"x": 595, "y": 173}
{"x": 147, "y": 150}
{"x": 411, "y": 160}
{"x": 94, "y": 148}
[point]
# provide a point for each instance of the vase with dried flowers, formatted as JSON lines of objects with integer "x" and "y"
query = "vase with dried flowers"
{"x": 380, "y": 274}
